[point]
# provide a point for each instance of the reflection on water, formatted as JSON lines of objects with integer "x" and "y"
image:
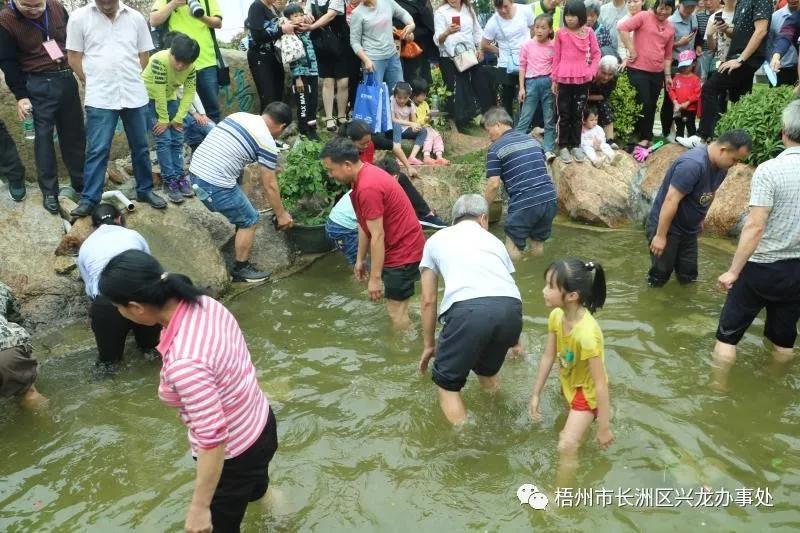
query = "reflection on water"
{"x": 363, "y": 445}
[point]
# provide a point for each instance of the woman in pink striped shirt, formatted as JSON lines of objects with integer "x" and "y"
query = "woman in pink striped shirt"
{"x": 208, "y": 375}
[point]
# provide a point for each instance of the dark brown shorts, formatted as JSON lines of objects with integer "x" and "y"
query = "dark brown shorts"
{"x": 18, "y": 370}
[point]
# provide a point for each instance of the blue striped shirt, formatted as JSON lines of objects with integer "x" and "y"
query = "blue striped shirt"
{"x": 240, "y": 139}
{"x": 519, "y": 161}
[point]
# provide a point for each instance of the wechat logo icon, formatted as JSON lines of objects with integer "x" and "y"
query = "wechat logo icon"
{"x": 528, "y": 493}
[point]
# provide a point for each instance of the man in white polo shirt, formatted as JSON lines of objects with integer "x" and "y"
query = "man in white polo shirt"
{"x": 108, "y": 46}
{"x": 109, "y": 239}
{"x": 481, "y": 312}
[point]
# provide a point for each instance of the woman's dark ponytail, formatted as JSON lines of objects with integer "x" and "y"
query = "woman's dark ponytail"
{"x": 136, "y": 276}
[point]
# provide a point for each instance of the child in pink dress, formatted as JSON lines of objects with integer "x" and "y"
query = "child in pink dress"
{"x": 404, "y": 113}
{"x": 576, "y": 56}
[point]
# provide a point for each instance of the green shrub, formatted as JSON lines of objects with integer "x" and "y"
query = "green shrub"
{"x": 759, "y": 113}
{"x": 627, "y": 109}
{"x": 306, "y": 190}
{"x": 442, "y": 93}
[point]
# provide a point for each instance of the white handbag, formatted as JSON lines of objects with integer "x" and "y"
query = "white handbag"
{"x": 291, "y": 48}
{"x": 464, "y": 57}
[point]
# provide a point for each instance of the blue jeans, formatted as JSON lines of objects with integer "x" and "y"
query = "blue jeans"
{"x": 233, "y": 203}
{"x": 169, "y": 145}
{"x": 345, "y": 239}
{"x": 193, "y": 132}
{"x": 208, "y": 89}
{"x": 386, "y": 70}
{"x": 538, "y": 93}
{"x": 100, "y": 127}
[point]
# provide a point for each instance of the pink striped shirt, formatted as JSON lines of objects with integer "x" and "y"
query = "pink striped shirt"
{"x": 208, "y": 375}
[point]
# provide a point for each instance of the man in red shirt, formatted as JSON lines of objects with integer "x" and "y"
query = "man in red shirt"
{"x": 388, "y": 228}
{"x": 361, "y": 134}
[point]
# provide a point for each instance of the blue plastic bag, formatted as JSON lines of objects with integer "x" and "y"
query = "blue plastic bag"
{"x": 372, "y": 104}
{"x": 368, "y": 101}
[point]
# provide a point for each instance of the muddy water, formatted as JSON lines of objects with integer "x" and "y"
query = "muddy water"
{"x": 363, "y": 446}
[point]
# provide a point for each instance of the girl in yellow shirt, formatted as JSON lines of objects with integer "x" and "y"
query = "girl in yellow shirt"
{"x": 575, "y": 290}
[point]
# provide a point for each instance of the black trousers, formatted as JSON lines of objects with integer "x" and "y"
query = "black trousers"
{"x": 267, "y": 75}
{"x": 471, "y": 87}
{"x": 686, "y": 123}
{"x": 508, "y": 85}
{"x": 57, "y": 105}
{"x": 244, "y": 479}
{"x": 570, "y": 103}
{"x": 787, "y": 76}
{"x": 10, "y": 164}
{"x": 648, "y": 87}
{"x": 735, "y": 84}
{"x": 306, "y": 102}
{"x": 421, "y": 207}
{"x": 679, "y": 255}
{"x": 111, "y": 329}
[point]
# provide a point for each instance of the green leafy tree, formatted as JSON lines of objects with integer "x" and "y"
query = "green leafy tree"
{"x": 759, "y": 114}
{"x": 627, "y": 109}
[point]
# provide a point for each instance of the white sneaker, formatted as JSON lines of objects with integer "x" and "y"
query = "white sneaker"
{"x": 689, "y": 142}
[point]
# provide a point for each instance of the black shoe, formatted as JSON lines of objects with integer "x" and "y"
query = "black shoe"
{"x": 432, "y": 221}
{"x": 16, "y": 191}
{"x": 50, "y": 203}
{"x": 248, "y": 273}
{"x": 155, "y": 201}
{"x": 84, "y": 209}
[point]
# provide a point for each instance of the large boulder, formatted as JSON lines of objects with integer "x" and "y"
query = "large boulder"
{"x": 27, "y": 243}
{"x": 188, "y": 239}
{"x": 241, "y": 94}
{"x": 600, "y": 196}
{"x": 8, "y": 114}
{"x": 727, "y": 212}
{"x": 656, "y": 167}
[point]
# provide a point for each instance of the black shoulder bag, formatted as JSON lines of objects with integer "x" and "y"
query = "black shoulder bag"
{"x": 326, "y": 41}
{"x": 223, "y": 72}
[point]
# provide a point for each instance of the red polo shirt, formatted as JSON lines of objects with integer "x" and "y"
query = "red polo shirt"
{"x": 377, "y": 194}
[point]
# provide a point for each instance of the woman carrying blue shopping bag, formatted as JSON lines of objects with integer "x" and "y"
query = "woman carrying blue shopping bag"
{"x": 373, "y": 42}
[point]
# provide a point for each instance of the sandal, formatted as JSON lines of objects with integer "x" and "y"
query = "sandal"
{"x": 330, "y": 125}
{"x": 342, "y": 120}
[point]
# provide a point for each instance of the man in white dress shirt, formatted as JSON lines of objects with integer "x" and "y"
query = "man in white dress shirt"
{"x": 108, "y": 46}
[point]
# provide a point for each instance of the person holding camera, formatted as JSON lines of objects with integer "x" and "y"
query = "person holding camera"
{"x": 197, "y": 19}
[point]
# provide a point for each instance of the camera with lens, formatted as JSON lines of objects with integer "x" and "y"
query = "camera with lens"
{"x": 196, "y": 8}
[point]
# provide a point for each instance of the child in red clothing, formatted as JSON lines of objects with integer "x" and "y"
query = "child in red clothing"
{"x": 685, "y": 94}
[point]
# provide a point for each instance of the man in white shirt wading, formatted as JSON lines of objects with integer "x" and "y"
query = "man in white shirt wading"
{"x": 109, "y": 239}
{"x": 481, "y": 312}
{"x": 108, "y": 46}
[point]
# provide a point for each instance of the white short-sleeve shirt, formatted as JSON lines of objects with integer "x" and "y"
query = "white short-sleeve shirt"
{"x": 111, "y": 51}
{"x": 510, "y": 34}
{"x": 472, "y": 261}
{"x": 104, "y": 244}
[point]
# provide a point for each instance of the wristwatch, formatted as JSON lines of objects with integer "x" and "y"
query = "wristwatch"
{"x": 740, "y": 60}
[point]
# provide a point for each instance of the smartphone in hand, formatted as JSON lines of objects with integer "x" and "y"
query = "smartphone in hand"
{"x": 457, "y": 20}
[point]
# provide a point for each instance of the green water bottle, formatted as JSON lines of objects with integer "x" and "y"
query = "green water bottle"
{"x": 27, "y": 124}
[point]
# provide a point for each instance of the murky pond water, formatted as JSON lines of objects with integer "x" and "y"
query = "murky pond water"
{"x": 364, "y": 447}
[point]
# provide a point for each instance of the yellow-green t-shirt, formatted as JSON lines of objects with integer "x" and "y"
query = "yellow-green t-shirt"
{"x": 162, "y": 82}
{"x": 573, "y": 352}
{"x": 423, "y": 110}
{"x": 558, "y": 14}
{"x": 182, "y": 20}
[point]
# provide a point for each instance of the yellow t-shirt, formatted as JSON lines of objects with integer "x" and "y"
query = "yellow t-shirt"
{"x": 423, "y": 110}
{"x": 182, "y": 20}
{"x": 573, "y": 352}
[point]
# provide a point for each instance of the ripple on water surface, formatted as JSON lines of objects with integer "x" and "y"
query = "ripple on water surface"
{"x": 363, "y": 445}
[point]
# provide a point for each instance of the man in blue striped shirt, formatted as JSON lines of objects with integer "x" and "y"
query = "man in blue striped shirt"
{"x": 518, "y": 161}
{"x": 217, "y": 164}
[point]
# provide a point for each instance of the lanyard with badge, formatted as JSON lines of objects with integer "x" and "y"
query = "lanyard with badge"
{"x": 50, "y": 45}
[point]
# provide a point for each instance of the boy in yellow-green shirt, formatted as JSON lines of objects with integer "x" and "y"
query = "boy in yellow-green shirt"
{"x": 575, "y": 290}
{"x": 166, "y": 71}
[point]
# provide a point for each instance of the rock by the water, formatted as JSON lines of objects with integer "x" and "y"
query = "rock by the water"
{"x": 600, "y": 196}
{"x": 656, "y": 167}
{"x": 727, "y": 212}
